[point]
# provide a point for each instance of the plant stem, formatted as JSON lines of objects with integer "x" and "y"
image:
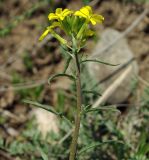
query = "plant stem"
{"x": 73, "y": 147}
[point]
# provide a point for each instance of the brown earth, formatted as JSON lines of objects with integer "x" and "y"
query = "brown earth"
{"x": 23, "y": 40}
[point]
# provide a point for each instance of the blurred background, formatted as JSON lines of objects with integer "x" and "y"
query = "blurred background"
{"x": 27, "y": 132}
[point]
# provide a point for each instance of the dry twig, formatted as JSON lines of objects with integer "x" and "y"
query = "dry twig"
{"x": 143, "y": 81}
{"x": 24, "y": 85}
{"x": 111, "y": 89}
{"x": 124, "y": 33}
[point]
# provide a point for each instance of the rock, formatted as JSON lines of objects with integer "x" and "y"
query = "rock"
{"x": 119, "y": 53}
{"x": 46, "y": 121}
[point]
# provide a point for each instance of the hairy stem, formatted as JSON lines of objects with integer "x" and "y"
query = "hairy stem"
{"x": 73, "y": 147}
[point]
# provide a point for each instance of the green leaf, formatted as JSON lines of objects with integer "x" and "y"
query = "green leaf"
{"x": 49, "y": 109}
{"x": 98, "y": 61}
{"x": 43, "y": 106}
{"x": 143, "y": 146}
{"x": 94, "y": 145}
{"x": 67, "y": 64}
{"x": 61, "y": 75}
{"x": 87, "y": 106}
{"x": 43, "y": 155}
{"x": 67, "y": 120}
{"x": 1, "y": 143}
{"x": 101, "y": 108}
{"x": 65, "y": 51}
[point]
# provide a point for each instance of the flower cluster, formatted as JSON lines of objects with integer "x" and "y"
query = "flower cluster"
{"x": 74, "y": 24}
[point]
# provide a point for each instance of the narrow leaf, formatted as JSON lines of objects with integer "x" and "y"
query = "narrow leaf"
{"x": 67, "y": 120}
{"x": 98, "y": 61}
{"x": 102, "y": 108}
{"x": 97, "y": 145}
{"x": 43, "y": 155}
{"x": 87, "y": 106}
{"x": 67, "y": 64}
{"x": 61, "y": 75}
{"x": 43, "y": 106}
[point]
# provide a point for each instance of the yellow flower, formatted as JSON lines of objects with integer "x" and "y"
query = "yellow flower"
{"x": 50, "y": 30}
{"x": 87, "y": 13}
{"x": 44, "y": 34}
{"x": 59, "y": 14}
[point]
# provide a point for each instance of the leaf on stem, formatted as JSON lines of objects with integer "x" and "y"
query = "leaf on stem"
{"x": 67, "y": 120}
{"x": 49, "y": 109}
{"x": 61, "y": 75}
{"x": 97, "y": 145}
{"x": 43, "y": 155}
{"x": 87, "y": 109}
{"x": 98, "y": 61}
{"x": 67, "y": 64}
{"x": 43, "y": 106}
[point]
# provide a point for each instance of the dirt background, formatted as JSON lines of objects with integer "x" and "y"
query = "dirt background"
{"x": 25, "y": 62}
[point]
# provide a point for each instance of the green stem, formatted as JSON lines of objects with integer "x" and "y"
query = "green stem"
{"x": 73, "y": 147}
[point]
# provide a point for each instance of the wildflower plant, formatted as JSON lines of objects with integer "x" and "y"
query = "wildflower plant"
{"x": 76, "y": 26}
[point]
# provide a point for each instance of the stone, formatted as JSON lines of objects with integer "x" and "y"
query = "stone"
{"x": 119, "y": 53}
{"x": 47, "y": 122}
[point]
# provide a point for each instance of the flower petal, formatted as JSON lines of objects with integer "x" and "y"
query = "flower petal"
{"x": 58, "y": 11}
{"x": 93, "y": 21}
{"x": 44, "y": 34}
{"x": 66, "y": 12}
{"x": 87, "y": 10}
{"x": 97, "y": 18}
{"x": 52, "y": 16}
{"x": 79, "y": 13}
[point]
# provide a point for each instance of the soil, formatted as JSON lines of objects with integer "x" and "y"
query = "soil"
{"x": 45, "y": 59}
